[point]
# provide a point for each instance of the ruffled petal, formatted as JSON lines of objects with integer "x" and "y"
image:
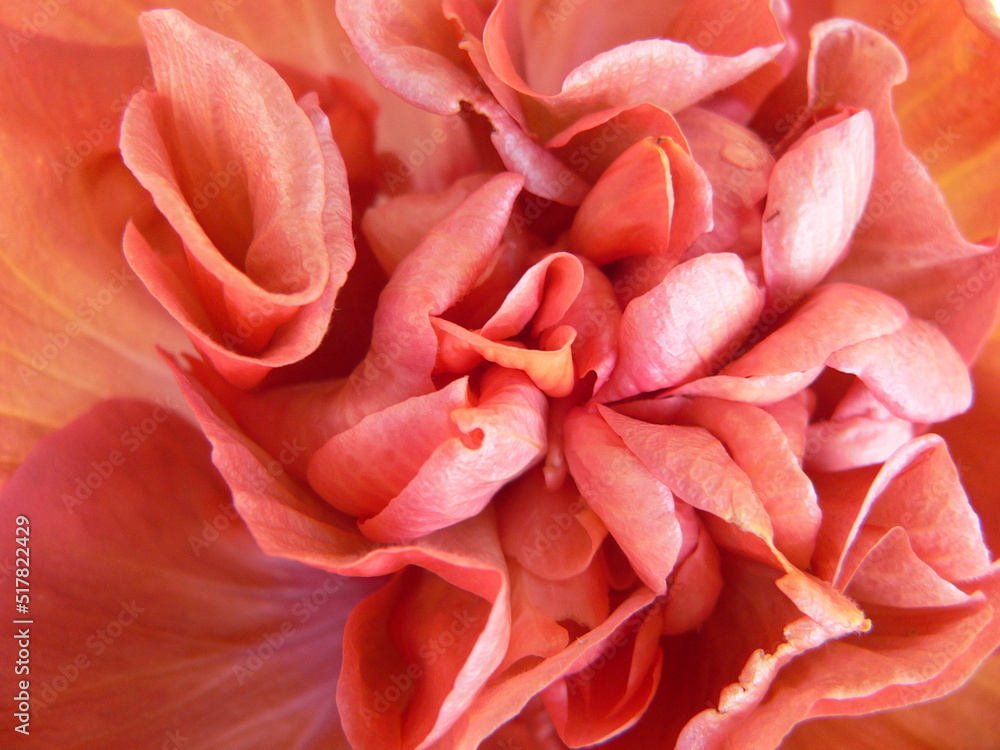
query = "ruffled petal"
{"x": 252, "y": 280}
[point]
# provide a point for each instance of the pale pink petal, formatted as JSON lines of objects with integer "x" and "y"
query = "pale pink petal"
{"x": 501, "y": 438}
{"x": 404, "y": 345}
{"x": 616, "y": 70}
{"x": 695, "y": 466}
{"x": 433, "y": 460}
{"x": 860, "y": 432}
{"x": 817, "y": 192}
{"x": 833, "y": 317}
{"x": 683, "y": 328}
{"x": 396, "y": 227}
{"x": 985, "y": 14}
{"x": 914, "y": 371}
{"x": 759, "y": 447}
{"x": 907, "y": 242}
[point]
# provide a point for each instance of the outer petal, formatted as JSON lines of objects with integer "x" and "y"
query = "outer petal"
{"x": 78, "y": 324}
{"x": 149, "y": 598}
{"x": 606, "y": 68}
{"x": 907, "y": 242}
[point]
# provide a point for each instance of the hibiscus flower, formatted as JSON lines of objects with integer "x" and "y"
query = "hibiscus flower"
{"x": 501, "y": 374}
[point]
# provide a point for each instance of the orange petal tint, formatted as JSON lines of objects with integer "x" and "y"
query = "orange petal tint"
{"x": 78, "y": 325}
{"x": 252, "y": 278}
{"x": 669, "y": 205}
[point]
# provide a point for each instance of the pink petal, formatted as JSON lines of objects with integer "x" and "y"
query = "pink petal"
{"x": 680, "y": 329}
{"x": 361, "y": 469}
{"x": 637, "y": 509}
{"x": 833, "y": 317}
{"x": 907, "y": 242}
{"x": 553, "y": 534}
{"x": 696, "y": 468}
{"x": 759, "y": 447}
{"x": 914, "y": 371}
{"x": 611, "y": 693}
{"x": 594, "y": 141}
{"x": 411, "y": 50}
{"x": 543, "y": 611}
{"x": 396, "y": 227}
{"x": 695, "y": 586}
{"x": 464, "y": 561}
{"x": 447, "y": 457}
{"x": 404, "y": 345}
{"x": 616, "y": 70}
{"x": 252, "y": 281}
{"x": 860, "y": 432}
{"x": 816, "y": 195}
{"x": 151, "y": 600}
{"x": 504, "y": 698}
{"x": 737, "y": 164}
{"x": 985, "y": 14}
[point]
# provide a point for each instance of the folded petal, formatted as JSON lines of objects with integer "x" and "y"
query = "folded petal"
{"x": 637, "y": 510}
{"x": 145, "y": 586}
{"x": 907, "y": 242}
{"x": 539, "y": 51}
{"x": 833, "y": 317}
{"x": 815, "y": 198}
{"x": 737, "y": 164}
{"x": 464, "y": 563}
{"x": 914, "y": 371}
{"x": 654, "y": 199}
{"x": 552, "y": 533}
{"x": 252, "y": 277}
{"x": 683, "y": 327}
